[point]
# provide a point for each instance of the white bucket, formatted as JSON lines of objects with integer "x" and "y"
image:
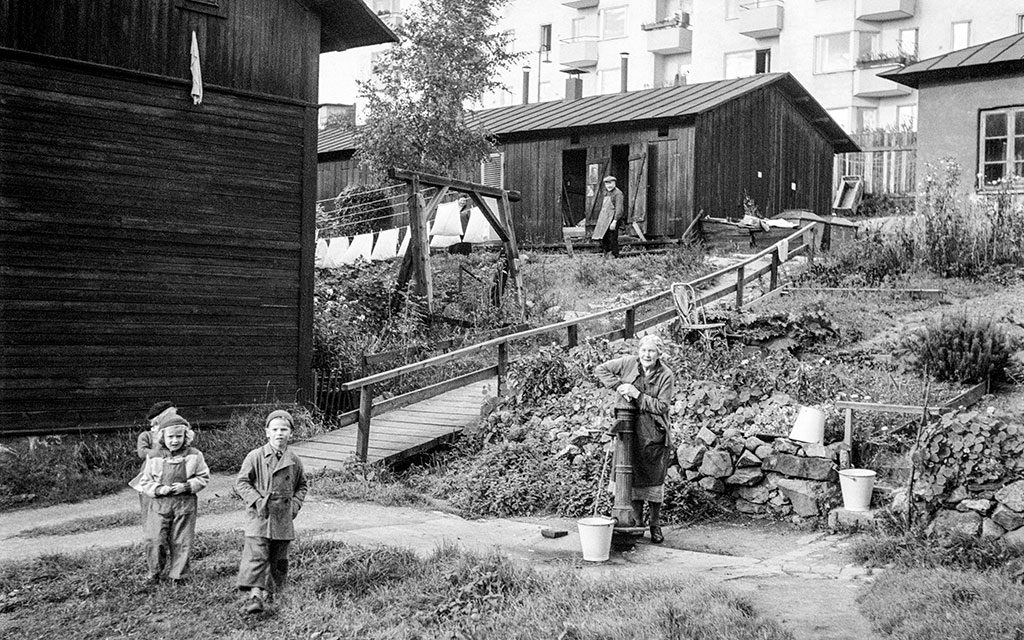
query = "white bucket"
{"x": 809, "y": 426}
{"x": 857, "y": 485}
{"x": 596, "y": 537}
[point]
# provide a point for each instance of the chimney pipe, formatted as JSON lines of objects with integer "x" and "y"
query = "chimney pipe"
{"x": 573, "y": 85}
{"x": 625, "y": 71}
{"x": 526, "y": 84}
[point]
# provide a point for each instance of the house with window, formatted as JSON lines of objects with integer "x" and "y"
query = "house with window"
{"x": 971, "y": 108}
{"x": 157, "y": 189}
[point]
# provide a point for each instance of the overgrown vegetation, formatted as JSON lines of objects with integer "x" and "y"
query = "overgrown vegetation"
{"x": 960, "y": 348}
{"x": 343, "y": 591}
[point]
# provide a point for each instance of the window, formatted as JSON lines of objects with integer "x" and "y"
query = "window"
{"x": 763, "y": 61}
{"x": 1002, "y": 147}
{"x": 908, "y": 42}
{"x": 841, "y": 116}
{"x": 545, "y": 38}
{"x": 583, "y": 26}
{"x": 865, "y": 118}
{"x": 961, "y": 35}
{"x": 613, "y": 23}
{"x": 732, "y": 9}
{"x": 739, "y": 64}
{"x": 832, "y": 53}
{"x": 492, "y": 170}
{"x": 906, "y": 117}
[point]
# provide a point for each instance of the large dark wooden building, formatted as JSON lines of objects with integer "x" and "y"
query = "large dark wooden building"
{"x": 152, "y": 248}
{"x": 675, "y": 151}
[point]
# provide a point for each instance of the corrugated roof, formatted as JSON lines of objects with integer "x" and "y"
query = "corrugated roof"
{"x": 630, "y": 107}
{"x": 336, "y": 140}
{"x": 1005, "y": 55}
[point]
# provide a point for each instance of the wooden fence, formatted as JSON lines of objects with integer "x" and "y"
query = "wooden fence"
{"x": 886, "y": 165}
{"x": 799, "y": 243}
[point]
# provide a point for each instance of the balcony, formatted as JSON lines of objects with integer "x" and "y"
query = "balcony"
{"x": 580, "y": 51}
{"x": 581, "y": 4}
{"x": 867, "y": 84}
{"x": 670, "y": 35}
{"x": 884, "y": 10}
{"x": 761, "y": 18}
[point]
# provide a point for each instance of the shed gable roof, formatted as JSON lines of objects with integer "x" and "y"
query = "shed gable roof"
{"x": 347, "y": 24}
{"x": 998, "y": 57}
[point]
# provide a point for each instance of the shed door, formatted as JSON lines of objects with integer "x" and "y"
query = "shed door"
{"x": 659, "y": 204}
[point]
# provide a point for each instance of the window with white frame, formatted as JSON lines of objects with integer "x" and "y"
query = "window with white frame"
{"x": 583, "y": 26}
{"x": 492, "y": 170}
{"x": 732, "y": 9}
{"x": 613, "y": 23}
{"x": 906, "y": 117}
{"x": 1001, "y": 157}
{"x": 832, "y": 53}
{"x": 739, "y": 64}
{"x": 908, "y": 42}
{"x": 961, "y": 35}
{"x": 865, "y": 118}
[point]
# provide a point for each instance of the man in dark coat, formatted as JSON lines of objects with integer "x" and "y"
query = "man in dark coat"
{"x": 612, "y": 216}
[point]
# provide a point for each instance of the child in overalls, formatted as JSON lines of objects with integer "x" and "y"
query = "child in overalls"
{"x": 172, "y": 479}
{"x": 148, "y": 443}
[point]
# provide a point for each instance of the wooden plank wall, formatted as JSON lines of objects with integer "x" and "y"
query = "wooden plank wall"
{"x": 334, "y": 175}
{"x": 762, "y": 131}
{"x": 534, "y": 167}
{"x": 258, "y": 45}
{"x": 149, "y": 249}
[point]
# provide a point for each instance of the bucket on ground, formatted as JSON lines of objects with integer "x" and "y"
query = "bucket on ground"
{"x": 596, "y": 537}
{"x": 809, "y": 426}
{"x": 857, "y": 485}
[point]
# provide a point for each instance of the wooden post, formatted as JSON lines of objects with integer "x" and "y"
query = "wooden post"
{"x": 739, "y": 287}
{"x": 502, "y": 368}
{"x": 419, "y": 245}
{"x": 774, "y": 281}
{"x": 512, "y": 251}
{"x": 630, "y": 328}
{"x": 848, "y": 428}
{"x": 574, "y": 335}
{"x": 363, "y": 435}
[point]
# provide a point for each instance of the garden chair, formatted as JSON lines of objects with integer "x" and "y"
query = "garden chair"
{"x": 692, "y": 315}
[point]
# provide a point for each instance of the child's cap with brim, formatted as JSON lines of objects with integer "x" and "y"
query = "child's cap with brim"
{"x": 281, "y": 414}
{"x": 174, "y": 420}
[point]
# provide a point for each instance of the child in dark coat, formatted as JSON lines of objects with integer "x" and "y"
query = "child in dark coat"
{"x": 272, "y": 485}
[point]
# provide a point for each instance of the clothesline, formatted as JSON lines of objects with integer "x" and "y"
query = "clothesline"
{"x": 384, "y": 188}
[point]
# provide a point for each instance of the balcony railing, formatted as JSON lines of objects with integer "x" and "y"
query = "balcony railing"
{"x": 761, "y": 18}
{"x": 884, "y": 59}
{"x": 883, "y": 10}
{"x": 669, "y": 38}
{"x": 578, "y": 51}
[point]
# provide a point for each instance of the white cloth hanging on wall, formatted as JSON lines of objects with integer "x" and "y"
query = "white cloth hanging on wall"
{"x": 359, "y": 249}
{"x": 335, "y": 250}
{"x": 479, "y": 229}
{"x": 447, "y": 222}
{"x": 197, "y": 72}
{"x": 387, "y": 242}
{"x": 321, "y": 252}
{"x": 405, "y": 243}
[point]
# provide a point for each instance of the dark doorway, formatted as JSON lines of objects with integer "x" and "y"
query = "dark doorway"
{"x": 620, "y": 169}
{"x": 574, "y": 186}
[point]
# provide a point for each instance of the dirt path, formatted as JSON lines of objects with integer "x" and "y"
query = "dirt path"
{"x": 799, "y": 577}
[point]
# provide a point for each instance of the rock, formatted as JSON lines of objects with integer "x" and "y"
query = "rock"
{"x": 1015, "y": 538}
{"x": 750, "y": 508}
{"x": 707, "y": 436}
{"x": 717, "y": 464}
{"x": 949, "y": 523}
{"x": 759, "y": 493}
{"x": 713, "y": 485}
{"x": 782, "y": 510}
{"x": 549, "y": 532}
{"x": 673, "y": 473}
{"x": 1007, "y": 518}
{"x": 763, "y": 451}
{"x": 959, "y": 494}
{"x": 778, "y": 499}
{"x": 836, "y": 447}
{"x": 745, "y": 476}
{"x": 1012, "y": 495}
{"x": 691, "y": 475}
{"x": 748, "y": 459}
{"x": 805, "y": 495}
{"x": 796, "y": 467}
{"x": 981, "y": 506}
{"x": 814, "y": 450}
{"x": 734, "y": 446}
{"x": 841, "y": 519}
{"x": 990, "y": 530}
{"x": 690, "y": 455}
{"x": 731, "y": 433}
{"x": 785, "y": 445}
{"x": 753, "y": 442}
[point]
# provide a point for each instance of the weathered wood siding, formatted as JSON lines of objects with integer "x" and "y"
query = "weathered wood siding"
{"x": 265, "y": 46}
{"x": 149, "y": 249}
{"x": 533, "y": 166}
{"x": 334, "y": 174}
{"x": 761, "y": 131}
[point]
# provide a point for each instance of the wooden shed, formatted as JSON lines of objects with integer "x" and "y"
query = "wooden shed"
{"x": 675, "y": 151}
{"x": 152, "y": 248}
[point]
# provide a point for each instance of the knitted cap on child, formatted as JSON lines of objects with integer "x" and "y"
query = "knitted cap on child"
{"x": 281, "y": 414}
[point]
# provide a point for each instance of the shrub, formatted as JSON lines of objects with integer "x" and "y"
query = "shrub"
{"x": 960, "y": 348}
{"x": 876, "y": 260}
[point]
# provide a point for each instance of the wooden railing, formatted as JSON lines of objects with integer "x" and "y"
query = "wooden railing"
{"x": 803, "y": 239}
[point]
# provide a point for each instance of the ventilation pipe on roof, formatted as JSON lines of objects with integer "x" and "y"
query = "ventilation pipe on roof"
{"x": 625, "y": 71}
{"x": 573, "y": 85}
{"x": 526, "y": 84}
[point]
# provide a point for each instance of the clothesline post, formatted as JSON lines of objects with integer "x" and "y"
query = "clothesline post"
{"x": 419, "y": 245}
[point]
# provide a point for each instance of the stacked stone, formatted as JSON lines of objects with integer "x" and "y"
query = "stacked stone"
{"x": 779, "y": 478}
{"x": 987, "y": 510}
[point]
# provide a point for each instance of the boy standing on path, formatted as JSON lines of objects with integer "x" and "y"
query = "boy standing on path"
{"x": 272, "y": 485}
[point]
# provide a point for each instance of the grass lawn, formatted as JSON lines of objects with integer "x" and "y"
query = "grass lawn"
{"x": 342, "y": 591}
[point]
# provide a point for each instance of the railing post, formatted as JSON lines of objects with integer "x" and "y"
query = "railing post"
{"x": 574, "y": 335}
{"x": 739, "y": 286}
{"x": 774, "y": 281}
{"x": 630, "y": 328}
{"x": 363, "y": 435}
{"x": 502, "y": 367}
{"x": 848, "y": 428}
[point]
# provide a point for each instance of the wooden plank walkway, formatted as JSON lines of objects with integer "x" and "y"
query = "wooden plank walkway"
{"x": 400, "y": 433}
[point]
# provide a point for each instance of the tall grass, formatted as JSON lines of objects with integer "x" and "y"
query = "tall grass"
{"x": 342, "y": 591}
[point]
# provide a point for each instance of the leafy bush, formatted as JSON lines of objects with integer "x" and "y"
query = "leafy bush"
{"x": 360, "y": 209}
{"x": 876, "y": 260}
{"x": 792, "y": 331}
{"x": 877, "y": 205}
{"x": 960, "y": 348}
